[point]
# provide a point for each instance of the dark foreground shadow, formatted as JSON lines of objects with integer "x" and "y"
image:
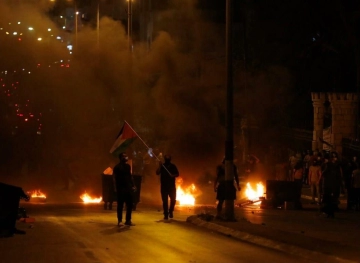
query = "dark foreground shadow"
{"x": 114, "y": 230}
{"x": 164, "y": 221}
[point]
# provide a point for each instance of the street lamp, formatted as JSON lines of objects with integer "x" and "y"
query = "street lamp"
{"x": 76, "y": 26}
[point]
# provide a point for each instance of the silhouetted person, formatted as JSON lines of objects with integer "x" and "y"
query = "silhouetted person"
{"x": 125, "y": 187}
{"x": 168, "y": 172}
{"x": 348, "y": 171}
{"x": 224, "y": 190}
{"x": 337, "y": 170}
{"x": 355, "y": 184}
{"x": 9, "y": 206}
{"x": 330, "y": 186}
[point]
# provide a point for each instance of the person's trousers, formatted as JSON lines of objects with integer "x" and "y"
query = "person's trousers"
{"x": 328, "y": 203}
{"x": 306, "y": 176}
{"x": 166, "y": 193}
{"x": 128, "y": 200}
{"x": 219, "y": 206}
{"x": 299, "y": 184}
{"x": 356, "y": 192}
{"x": 350, "y": 198}
{"x": 315, "y": 191}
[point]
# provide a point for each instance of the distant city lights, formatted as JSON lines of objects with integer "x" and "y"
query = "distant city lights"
{"x": 22, "y": 110}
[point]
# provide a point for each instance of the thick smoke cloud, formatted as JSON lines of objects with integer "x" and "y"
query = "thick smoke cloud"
{"x": 157, "y": 90}
{"x": 173, "y": 93}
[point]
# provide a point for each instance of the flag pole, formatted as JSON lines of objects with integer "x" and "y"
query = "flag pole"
{"x": 140, "y": 138}
{"x": 147, "y": 146}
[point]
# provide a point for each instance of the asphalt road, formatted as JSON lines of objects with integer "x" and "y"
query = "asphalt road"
{"x": 78, "y": 233}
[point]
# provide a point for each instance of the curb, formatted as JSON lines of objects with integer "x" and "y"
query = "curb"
{"x": 269, "y": 243}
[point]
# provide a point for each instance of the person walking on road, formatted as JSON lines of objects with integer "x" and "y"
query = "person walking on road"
{"x": 167, "y": 172}
{"x": 125, "y": 187}
{"x": 220, "y": 187}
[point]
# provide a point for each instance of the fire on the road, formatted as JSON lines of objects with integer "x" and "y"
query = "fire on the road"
{"x": 187, "y": 196}
{"x": 37, "y": 194}
{"x": 254, "y": 194}
{"x": 86, "y": 198}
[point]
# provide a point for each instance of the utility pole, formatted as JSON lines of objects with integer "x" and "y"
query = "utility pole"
{"x": 129, "y": 13}
{"x": 98, "y": 24}
{"x": 76, "y": 27}
{"x": 229, "y": 143}
{"x": 130, "y": 67}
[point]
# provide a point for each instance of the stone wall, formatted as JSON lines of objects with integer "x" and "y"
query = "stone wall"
{"x": 344, "y": 116}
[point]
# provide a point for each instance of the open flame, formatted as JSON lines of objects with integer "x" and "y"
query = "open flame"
{"x": 186, "y": 197}
{"x": 253, "y": 194}
{"x": 37, "y": 194}
{"x": 88, "y": 199}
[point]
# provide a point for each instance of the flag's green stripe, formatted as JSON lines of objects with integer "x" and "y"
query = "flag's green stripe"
{"x": 123, "y": 146}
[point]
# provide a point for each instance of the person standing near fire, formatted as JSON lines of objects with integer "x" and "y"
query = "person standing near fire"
{"x": 167, "y": 172}
{"x": 222, "y": 193}
{"x": 124, "y": 187}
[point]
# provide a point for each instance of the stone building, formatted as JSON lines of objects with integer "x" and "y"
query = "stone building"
{"x": 343, "y": 108}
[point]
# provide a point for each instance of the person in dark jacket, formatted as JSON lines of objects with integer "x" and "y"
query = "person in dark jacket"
{"x": 220, "y": 187}
{"x": 168, "y": 172}
{"x": 355, "y": 184}
{"x": 9, "y": 207}
{"x": 331, "y": 186}
{"x": 125, "y": 187}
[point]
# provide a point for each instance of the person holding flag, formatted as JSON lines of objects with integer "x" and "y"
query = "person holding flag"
{"x": 168, "y": 172}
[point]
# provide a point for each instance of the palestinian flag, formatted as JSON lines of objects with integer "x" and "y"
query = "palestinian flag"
{"x": 126, "y": 136}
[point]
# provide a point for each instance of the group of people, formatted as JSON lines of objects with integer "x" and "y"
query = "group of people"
{"x": 125, "y": 187}
{"x": 328, "y": 177}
